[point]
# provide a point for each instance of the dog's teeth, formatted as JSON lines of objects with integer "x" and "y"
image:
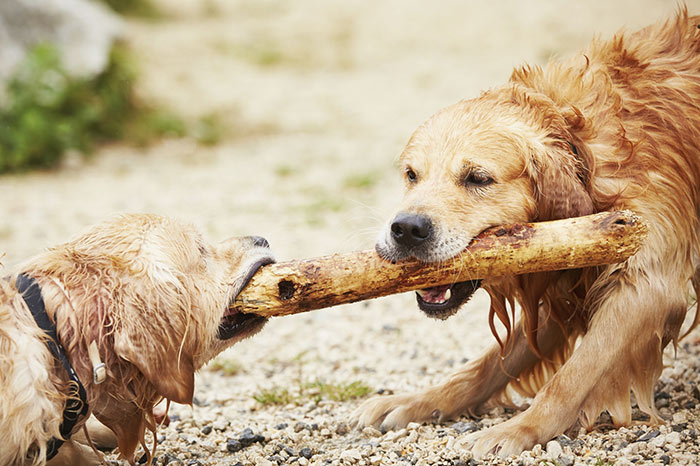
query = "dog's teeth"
{"x": 448, "y": 294}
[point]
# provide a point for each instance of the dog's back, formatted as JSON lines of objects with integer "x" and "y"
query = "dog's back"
{"x": 633, "y": 106}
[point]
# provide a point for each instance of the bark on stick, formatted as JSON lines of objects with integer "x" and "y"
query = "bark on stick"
{"x": 304, "y": 285}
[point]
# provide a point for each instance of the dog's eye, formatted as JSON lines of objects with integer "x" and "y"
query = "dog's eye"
{"x": 411, "y": 175}
{"x": 478, "y": 178}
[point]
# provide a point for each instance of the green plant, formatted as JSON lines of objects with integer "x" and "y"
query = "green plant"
{"x": 226, "y": 366}
{"x": 284, "y": 170}
{"x": 138, "y": 8}
{"x": 312, "y": 391}
{"x": 46, "y": 112}
{"x": 361, "y": 181}
{"x": 208, "y": 129}
{"x": 339, "y": 391}
{"x": 275, "y": 396}
{"x": 600, "y": 462}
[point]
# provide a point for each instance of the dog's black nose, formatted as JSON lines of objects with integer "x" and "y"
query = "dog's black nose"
{"x": 411, "y": 230}
{"x": 260, "y": 241}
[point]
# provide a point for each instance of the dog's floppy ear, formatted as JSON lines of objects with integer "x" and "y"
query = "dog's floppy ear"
{"x": 560, "y": 182}
{"x": 150, "y": 336}
{"x": 558, "y": 166}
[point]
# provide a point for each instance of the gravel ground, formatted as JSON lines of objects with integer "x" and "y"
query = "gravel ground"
{"x": 316, "y": 98}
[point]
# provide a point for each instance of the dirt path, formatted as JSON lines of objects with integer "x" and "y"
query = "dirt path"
{"x": 317, "y": 99}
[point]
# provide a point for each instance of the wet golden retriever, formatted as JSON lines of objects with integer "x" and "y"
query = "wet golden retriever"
{"x": 615, "y": 127}
{"x": 152, "y": 295}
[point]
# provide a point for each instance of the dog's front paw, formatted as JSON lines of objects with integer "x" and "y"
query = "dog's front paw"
{"x": 394, "y": 412}
{"x": 508, "y": 438}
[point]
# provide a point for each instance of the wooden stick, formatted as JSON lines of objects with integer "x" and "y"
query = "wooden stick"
{"x": 298, "y": 286}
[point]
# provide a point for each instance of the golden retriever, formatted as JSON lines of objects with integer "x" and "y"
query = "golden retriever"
{"x": 152, "y": 295}
{"x": 615, "y": 127}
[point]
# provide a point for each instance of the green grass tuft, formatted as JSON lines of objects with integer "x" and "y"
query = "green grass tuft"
{"x": 208, "y": 130}
{"x": 46, "y": 112}
{"x": 226, "y": 366}
{"x": 275, "y": 396}
{"x": 315, "y": 391}
{"x": 145, "y": 9}
{"x": 361, "y": 181}
{"x": 339, "y": 391}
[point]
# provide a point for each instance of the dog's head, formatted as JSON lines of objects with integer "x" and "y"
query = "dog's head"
{"x": 156, "y": 298}
{"x": 505, "y": 157}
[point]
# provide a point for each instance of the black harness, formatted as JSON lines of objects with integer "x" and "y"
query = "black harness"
{"x": 76, "y": 405}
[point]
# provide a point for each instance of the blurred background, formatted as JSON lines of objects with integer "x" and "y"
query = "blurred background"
{"x": 270, "y": 117}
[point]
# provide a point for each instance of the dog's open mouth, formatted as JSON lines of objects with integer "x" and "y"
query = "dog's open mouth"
{"x": 238, "y": 324}
{"x": 443, "y": 301}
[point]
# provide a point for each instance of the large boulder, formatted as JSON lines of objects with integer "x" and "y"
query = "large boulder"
{"x": 82, "y": 31}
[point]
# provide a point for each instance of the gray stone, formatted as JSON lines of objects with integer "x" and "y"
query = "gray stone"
{"x": 565, "y": 461}
{"x": 462, "y": 427}
{"x": 83, "y": 31}
{"x": 554, "y": 449}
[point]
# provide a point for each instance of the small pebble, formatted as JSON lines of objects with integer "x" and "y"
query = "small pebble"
{"x": 248, "y": 437}
{"x": 299, "y": 426}
{"x": 649, "y": 435}
{"x": 306, "y": 453}
{"x": 342, "y": 428}
{"x": 371, "y": 431}
{"x": 233, "y": 445}
{"x": 674, "y": 438}
{"x": 219, "y": 425}
{"x": 554, "y": 449}
{"x": 462, "y": 427}
{"x": 679, "y": 427}
{"x": 565, "y": 461}
{"x": 351, "y": 455}
{"x": 394, "y": 435}
{"x": 171, "y": 460}
{"x": 679, "y": 418}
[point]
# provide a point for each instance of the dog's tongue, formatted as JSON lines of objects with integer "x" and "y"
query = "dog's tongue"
{"x": 436, "y": 294}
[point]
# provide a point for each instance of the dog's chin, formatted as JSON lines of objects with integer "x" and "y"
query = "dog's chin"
{"x": 235, "y": 324}
{"x": 438, "y": 302}
{"x": 441, "y": 302}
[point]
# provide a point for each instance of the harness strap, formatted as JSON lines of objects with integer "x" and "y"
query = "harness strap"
{"x": 76, "y": 405}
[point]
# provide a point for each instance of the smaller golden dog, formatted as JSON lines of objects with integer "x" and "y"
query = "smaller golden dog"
{"x": 110, "y": 324}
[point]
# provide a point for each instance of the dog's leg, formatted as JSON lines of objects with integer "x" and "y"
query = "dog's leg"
{"x": 101, "y": 435}
{"x": 465, "y": 390}
{"x": 75, "y": 454}
{"x": 635, "y": 319}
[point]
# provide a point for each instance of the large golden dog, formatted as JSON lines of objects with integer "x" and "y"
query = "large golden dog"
{"x": 615, "y": 127}
{"x": 152, "y": 296}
